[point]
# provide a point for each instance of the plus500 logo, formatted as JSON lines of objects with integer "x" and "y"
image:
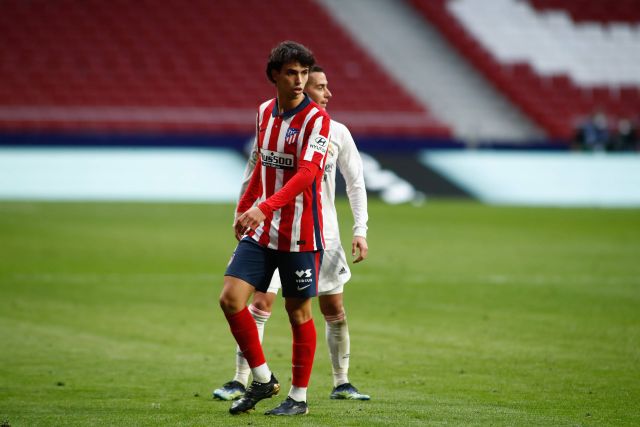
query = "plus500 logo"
{"x": 276, "y": 160}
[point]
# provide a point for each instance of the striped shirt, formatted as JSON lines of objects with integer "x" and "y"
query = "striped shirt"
{"x": 343, "y": 155}
{"x": 286, "y": 142}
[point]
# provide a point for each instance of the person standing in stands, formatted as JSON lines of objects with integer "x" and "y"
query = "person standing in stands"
{"x": 593, "y": 133}
{"x": 280, "y": 219}
{"x": 334, "y": 272}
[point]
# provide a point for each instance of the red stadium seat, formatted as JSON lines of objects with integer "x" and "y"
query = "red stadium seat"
{"x": 554, "y": 102}
{"x": 152, "y": 54}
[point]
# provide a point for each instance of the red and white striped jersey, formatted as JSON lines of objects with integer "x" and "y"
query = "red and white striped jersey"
{"x": 285, "y": 142}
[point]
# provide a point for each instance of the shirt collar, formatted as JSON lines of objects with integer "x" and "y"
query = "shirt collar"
{"x": 290, "y": 113}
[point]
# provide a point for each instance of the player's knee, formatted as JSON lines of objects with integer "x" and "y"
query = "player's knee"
{"x": 333, "y": 311}
{"x": 230, "y": 305}
{"x": 332, "y": 307}
{"x": 334, "y": 316}
{"x": 262, "y": 304}
{"x": 299, "y": 310}
{"x": 299, "y": 315}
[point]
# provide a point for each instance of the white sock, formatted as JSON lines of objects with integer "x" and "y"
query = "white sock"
{"x": 261, "y": 373}
{"x": 242, "y": 366}
{"x": 337, "y": 334}
{"x": 299, "y": 394}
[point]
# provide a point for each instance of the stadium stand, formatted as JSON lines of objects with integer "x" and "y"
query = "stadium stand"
{"x": 423, "y": 62}
{"x": 594, "y": 10}
{"x": 545, "y": 56}
{"x": 131, "y": 66}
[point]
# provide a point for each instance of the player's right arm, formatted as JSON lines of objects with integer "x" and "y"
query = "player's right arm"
{"x": 250, "y": 166}
{"x": 252, "y": 192}
{"x": 250, "y": 180}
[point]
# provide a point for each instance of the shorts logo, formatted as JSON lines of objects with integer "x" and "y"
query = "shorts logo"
{"x": 305, "y": 273}
{"x": 292, "y": 136}
{"x": 343, "y": 271}
{"x": 304, "y": 279}
{"x": 277, "y": 160}
{"x": 319, "y": 144}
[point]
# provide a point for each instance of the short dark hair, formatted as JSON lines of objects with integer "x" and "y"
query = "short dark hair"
{"x": 316, "y": 69}
{"x": 289, "y": 51}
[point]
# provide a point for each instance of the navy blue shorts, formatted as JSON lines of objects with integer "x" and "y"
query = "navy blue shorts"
{"x": 255, "y": 265}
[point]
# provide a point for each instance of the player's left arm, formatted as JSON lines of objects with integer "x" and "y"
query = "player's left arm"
{"x": 306, "y": 174}
{"x": 351, "y": 168}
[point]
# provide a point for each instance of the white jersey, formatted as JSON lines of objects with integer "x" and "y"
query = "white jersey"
{"x": 344, "y": 155}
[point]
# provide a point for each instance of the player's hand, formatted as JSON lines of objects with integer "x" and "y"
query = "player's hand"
{"x": 359, "y": 244}
{"x": 250, "y": 220}
{"x": 238, "y": 230}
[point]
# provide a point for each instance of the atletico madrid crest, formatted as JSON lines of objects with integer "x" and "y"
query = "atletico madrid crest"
{"x": 292, "y": 136}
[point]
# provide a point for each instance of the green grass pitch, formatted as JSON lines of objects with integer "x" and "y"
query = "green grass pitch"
{"x": 463, "y": 314}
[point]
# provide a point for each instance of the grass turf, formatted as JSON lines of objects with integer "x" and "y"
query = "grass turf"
{"x": 464, "y": 314}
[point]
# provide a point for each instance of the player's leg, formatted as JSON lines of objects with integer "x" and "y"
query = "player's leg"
{"x": 304, "y": 349}
{"x": 333, "y": 276}
{"x": 260, "y": 310}
{"x": 337, "y": 336}
{"x": 299, "y": 275}
{"x": 339, "y": 344}
{"x": 262, "y": 304}
{"x": 251, "y": 267}
{"x": 233, "y": 298}
{"x": 235, "y": 388}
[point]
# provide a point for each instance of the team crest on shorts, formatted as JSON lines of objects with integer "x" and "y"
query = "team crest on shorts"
{"x": 292, "y": 136}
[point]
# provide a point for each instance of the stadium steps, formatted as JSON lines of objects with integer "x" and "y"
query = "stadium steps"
{"x": 556, "y": 70}
{"x": 421, "y": 60}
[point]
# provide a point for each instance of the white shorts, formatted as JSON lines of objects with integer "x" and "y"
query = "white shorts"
{"x": 334, "y": 273}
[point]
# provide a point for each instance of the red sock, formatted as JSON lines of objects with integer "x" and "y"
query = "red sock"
{"x": 245, "y": 331}
{"x": 304, "y": 348}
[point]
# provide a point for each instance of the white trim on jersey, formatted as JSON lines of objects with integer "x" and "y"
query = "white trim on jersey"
{"x": 277, "y": 214}
{"x": 295, "y": 229}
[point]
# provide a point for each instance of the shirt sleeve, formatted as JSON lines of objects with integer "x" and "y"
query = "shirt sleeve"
{"x": 250, "y": 166}
{"x": 350, "y": 165}
{"x": 249, "y": 169}
{"x": 252, "y": 191}
{"x": 315, "y": 148}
